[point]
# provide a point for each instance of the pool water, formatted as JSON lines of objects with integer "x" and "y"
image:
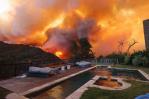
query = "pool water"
{"x": 128, "y": 73}
{"x": 65, "y": 88}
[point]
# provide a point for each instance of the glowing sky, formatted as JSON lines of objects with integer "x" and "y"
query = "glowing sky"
{"x": 27, "y": 21}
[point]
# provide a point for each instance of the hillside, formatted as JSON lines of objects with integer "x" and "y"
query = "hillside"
{"x": 15, "y": 59}
{"x": 19, "y": 53}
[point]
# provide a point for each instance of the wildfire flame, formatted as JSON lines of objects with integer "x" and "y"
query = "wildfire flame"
{"x": 81, "y": 14}
{"x": 55, "y": 23}
{"x": 59, "y": 54}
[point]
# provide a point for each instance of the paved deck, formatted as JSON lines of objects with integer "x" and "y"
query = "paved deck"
{"x": 21, "y": 85}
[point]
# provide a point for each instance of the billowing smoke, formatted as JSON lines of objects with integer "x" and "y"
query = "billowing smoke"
{"x": 62, "y": 39}
{"x": 53, "y": 24}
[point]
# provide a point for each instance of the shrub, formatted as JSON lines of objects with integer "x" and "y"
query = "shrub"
{"x": 127, "y": 60}
{"x": 137, "y": 60}
{"x": 145, "y": 61}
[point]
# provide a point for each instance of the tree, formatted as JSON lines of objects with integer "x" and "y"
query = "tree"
{"x": 86, "y": 51}
{"x": 130, "y": 45}
{"x": 81, "y": 49}
{"x": 145, "y": 61}
{"x": 137, "y": 61}
{"x": 127, "y": 60}
{"x": 121, "y": 44}
{"x": 75, "y": 52}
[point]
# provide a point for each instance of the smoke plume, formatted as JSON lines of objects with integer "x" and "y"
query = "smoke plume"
{"x": 52, "y": 24}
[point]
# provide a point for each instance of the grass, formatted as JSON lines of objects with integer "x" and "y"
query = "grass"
{"x": 146, "y": 69}
{"x": 137, "y": 88}
{"x": 3, "y": 93}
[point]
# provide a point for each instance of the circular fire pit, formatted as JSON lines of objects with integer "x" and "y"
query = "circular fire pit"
{"x": 110, "y": 83}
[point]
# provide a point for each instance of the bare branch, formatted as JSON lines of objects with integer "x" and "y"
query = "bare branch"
{"x": 131, "y": 44}
{"x": 121, "y": 44}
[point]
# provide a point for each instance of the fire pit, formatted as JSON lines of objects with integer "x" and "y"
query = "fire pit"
{"x": 112, "y": 83}
{"x": 106, "y": 82}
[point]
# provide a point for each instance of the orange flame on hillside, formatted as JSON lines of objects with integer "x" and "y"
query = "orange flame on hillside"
{"x": 59, "y": 54}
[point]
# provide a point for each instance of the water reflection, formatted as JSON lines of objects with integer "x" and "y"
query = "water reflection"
{"x": 55, "y": 93}
{"x": 62, "y": 90}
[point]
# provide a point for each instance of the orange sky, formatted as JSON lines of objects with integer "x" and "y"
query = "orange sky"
{"x": 32, "y": 22}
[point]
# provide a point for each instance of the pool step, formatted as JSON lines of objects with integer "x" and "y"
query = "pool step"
{"x": 144, "y": 74}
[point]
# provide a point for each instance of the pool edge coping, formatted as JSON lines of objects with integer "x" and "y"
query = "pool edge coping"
{"x": 36, "y": 89}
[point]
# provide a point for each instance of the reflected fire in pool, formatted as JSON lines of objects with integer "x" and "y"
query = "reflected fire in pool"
{"x": 65, "y": 88}
{"x": 56, "y": 93}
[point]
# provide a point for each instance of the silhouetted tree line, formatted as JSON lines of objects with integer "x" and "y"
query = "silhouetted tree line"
{"x": 139, "y": 58}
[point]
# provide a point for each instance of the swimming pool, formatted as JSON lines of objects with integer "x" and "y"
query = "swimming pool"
{"x": 128, "y": 73}
{"x": 65, "y": 88}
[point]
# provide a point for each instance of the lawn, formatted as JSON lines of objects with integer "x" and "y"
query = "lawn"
{"x": 146, "y": 69}
{"x": 137, "y": 88}
{"x": 3, "y": 93}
